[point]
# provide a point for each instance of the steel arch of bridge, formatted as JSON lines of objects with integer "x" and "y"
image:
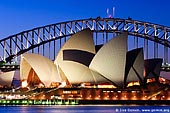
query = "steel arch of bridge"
{"x": 15, "y": 45}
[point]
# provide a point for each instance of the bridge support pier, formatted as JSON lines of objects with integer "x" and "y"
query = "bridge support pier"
{"x": 146, "y": 48}
{"x": 135, "y": 42}
{"x": 165, "y": 54}
{"x": 155, "y": 50}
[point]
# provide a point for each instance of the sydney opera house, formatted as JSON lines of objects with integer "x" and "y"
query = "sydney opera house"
{"x": 85, "y": 71}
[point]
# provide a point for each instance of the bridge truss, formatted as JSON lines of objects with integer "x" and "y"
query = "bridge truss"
{"x": 47, "y": 40}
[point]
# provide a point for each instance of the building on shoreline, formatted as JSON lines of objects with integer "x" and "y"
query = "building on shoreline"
{"x": 80, "y": 71}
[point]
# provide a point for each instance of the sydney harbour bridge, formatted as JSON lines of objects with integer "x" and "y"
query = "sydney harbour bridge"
{"x": 47, "y": 40}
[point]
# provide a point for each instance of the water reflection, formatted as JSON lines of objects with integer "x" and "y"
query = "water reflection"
{"x": 84, "y": 109}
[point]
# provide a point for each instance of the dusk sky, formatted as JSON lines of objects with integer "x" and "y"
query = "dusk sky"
{"x": 22, "y": 15}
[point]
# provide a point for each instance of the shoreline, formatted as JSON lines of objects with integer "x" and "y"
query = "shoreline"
{"x": 82, "y": 102}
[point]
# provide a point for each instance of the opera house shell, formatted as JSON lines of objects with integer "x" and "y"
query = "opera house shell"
{"x": 7, "y": 79}
{"x": 38, "y": 69}
{"x": 78, "y": 61}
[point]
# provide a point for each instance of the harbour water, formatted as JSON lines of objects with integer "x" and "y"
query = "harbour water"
{"x": 84, "y": 109}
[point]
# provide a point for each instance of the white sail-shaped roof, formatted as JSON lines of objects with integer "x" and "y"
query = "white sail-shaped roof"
{"x": 82, "y": 40}
{"x": 6, "y": 78}
{"x": 76, "y": 72}
{"x": 152, "y": 67}
{"x": 44, "y": 68}
{"x": 111, "y": 58}
{"x": 25, "y": 68}
{"x": 136, "y": 69}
